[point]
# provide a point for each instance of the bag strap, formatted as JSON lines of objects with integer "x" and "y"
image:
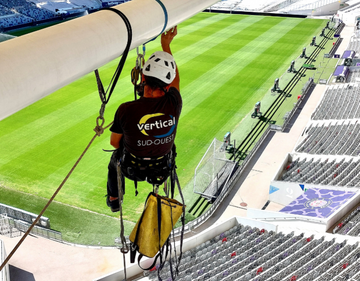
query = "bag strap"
{"x": 136, "y": 185}
{"x": 182, "y": 221}
{"x": 159, "y": 223}
{"x": 134, "y": 247}
{"x": 172, "y": 184}
{"x": 152, "y": 265}
{"x": 160, "y": 254}
{"x": 161, "y": 249}
{"x": 173, "y": 171}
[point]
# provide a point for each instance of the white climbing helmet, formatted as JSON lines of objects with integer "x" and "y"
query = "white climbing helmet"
{"x": 161, "y": 65}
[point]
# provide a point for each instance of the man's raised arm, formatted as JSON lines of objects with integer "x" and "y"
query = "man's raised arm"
{"x": 166, "y": 39}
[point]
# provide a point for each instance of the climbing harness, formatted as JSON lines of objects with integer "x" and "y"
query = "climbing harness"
{"x": 153, "y": 170}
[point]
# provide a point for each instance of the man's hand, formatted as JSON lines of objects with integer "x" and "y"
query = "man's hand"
{"x": 166, "y": 39}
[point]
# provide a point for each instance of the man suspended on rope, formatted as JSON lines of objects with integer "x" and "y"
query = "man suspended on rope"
{"x": 144, "y": 130}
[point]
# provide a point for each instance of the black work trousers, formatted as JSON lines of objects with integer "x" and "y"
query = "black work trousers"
{"x": 112, "y": 181}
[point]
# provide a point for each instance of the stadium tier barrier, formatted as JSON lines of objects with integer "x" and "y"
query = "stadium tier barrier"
{"x": 7, "y": 227}
{"x": 334, "y": 48}
{"x": 304, "y": 92}
{"x": 13, "y": 227}
{"x": 37, "y": 230}
{"x": 22, "y": 215}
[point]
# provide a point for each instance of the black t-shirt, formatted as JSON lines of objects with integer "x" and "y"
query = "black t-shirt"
{"x": 149, "y": 125}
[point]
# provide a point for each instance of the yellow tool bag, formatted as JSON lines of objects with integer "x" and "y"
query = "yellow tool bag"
{"x": 154, "y": 226}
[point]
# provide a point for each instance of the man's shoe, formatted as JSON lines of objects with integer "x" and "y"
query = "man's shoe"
{"x": 113, "y": 204}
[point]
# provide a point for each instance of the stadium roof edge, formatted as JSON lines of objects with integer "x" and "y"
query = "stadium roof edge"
{"x": 256, "y": 13}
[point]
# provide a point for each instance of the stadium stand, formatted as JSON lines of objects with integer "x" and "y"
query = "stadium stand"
{"x": 249, "y": 253}
{"x": 350, "y": 225}
{"x": 9, "y": 18}
{"x": 355, "y": 44}
{"x": 15, "y": 13}
{"x": 323, "y": 171}
{"x": 301, "y": 7}
{"x": 243, "y": 5}
{"x": 343, "y": 101}
{"x": 15, "y": 20}
{"x": 90, "y": 4}
{"x": 331, "y": 139}
{"x": 109, "y": 3}
{"x": 5, "y": 11}
{"x": 348, "y": 13}
{"x": 354, "y": 77}
{"x": 306, "y": 5}
{"x": 63, "y": 8}
{"x": 29, "y": 9}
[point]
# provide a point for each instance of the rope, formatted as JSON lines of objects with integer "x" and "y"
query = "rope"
{"x": 49, "y": 202}
{"x": 182, "y": 221}
{"x": 115, "y": 78}
{"x": 125, "y": 249}
{"x": 165, "y": 23}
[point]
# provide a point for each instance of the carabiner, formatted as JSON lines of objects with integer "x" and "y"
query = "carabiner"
{"x": 144, "y": 50}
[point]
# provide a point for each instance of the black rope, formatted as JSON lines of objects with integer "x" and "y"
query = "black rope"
{"x": 182, "y": 221}
{"x": 105, "y": 95}
{"x": 166, "y": 20}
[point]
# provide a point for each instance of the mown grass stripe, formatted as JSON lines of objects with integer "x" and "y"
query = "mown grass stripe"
{"x": 199, "y": 47}
{"x": 208, "y": 83}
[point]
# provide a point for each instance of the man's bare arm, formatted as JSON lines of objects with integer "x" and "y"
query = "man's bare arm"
{"x": 166, "y": 39}
{"x": 115, "y": 140}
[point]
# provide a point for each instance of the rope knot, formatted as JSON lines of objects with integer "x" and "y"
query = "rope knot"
{"x": 99, "y": 130}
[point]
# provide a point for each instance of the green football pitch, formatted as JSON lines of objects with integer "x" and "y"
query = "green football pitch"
{"x": 227, "y": 63}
